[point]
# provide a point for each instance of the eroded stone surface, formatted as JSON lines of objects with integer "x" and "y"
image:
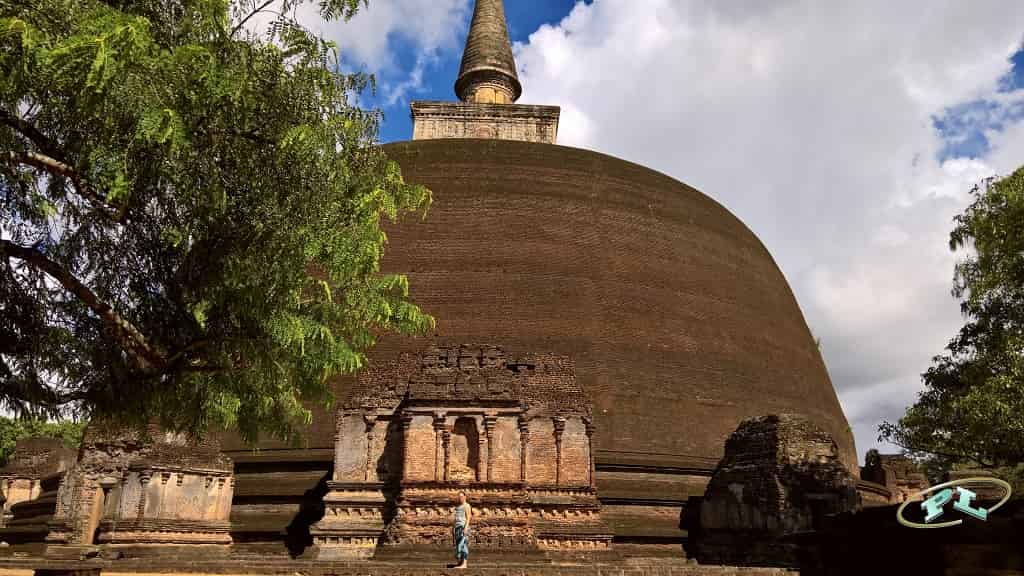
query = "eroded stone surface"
{"x": 436, "y": 120}
{"x": 33, "y": 461}
{"x": 132, "y": 487}
{"x": 780, "y": 476}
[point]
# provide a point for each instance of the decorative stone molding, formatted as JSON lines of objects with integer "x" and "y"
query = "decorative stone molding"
{"x": 437, "y": 120}
{"x": 120, "y": 494}
{"x": 353, "y": 521}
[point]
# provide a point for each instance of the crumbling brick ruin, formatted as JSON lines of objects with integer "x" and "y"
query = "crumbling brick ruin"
{"x": 32, "y": 473}
{"x": 780, "y": 476}
{"x": 514, "y": 433}
{"x": 133, "y": 489}
{"x": 900, "y": 477}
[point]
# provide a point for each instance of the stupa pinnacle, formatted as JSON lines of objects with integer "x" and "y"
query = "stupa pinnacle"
{"x": 488, "y": 72}
{"x": 488, "y": 85}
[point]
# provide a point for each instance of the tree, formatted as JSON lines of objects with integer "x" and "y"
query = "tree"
{"x": 972, "y": 409}
{"x": 12, "y": 430}
{"x": 190, "y": 226}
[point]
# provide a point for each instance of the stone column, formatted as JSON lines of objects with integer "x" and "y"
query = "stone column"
{"x": 439, "y": 446}
{"x": 144, "y": 480}
{"x": 524, "y": 445}
{"x": 559, "y": 429}
{"x": 371, "y": 422}
{"x": 483, "y": 452}
{"x": 406, "y": 422}
{"x": 589, "y": 424}
{"x": 446, "y": 438}
{"x": 490, "y": 420}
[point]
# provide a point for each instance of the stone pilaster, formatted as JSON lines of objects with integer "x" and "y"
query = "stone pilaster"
{"x": 559, "y": 423}
{"x": 589, "y": 426}
{"x": 446, "y": 442}
{"x": 439, "y": 446}
{"x": 490, "y": 420}
{"x": 371, "y": 422}
{"x": 484, "y": 452}
{"x": 524, "y": 448}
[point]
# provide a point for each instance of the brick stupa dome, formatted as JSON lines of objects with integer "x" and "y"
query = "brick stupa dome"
{"x": 678, "y": 320}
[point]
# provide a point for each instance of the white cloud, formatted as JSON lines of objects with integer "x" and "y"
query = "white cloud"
{"x": 812, "y": 122}
{"x": 370, "y": 41}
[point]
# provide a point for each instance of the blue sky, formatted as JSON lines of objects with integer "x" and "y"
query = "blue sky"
{"x": 524, "y": 18}
{"x": 965, "y": 126}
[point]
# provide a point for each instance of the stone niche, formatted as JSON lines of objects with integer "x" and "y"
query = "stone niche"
{"x": 778, "y": 480}
{"x": 135, "y": 490}
{"x": 34, "y": 461}
{"x": 514, "y": 434}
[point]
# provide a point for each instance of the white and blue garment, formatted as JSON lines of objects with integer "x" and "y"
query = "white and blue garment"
{"x": 461, "y": 533}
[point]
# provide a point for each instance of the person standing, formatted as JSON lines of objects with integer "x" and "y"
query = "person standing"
{"x": 463, "y": 517}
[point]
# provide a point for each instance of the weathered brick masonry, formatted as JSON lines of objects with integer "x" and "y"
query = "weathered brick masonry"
{"x": 514, "y": 433}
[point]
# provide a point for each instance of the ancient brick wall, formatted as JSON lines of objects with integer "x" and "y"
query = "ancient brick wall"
{"x": 421, "y": 456}
{"x": 133, "y": 487}
{"x": 385, "y": 449}
{"x": 506, "y": 450}
{"x": 350, "y": 450}
{"x": 575, "y": 469}
{"x": 542, "y": 452}
{"x": 33, "y": 460}
{"x": 780, "y": 478}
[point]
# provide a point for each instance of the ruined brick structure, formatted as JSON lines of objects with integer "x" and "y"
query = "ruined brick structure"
{"x": 514, "y": 433}
{"x": 900, "y": 477}
{"x": 136, "y": 489}
{"x": 779, "y": 479}
{"x": 33, "y": 463}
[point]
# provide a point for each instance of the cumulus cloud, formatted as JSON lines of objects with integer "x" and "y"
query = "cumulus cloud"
{"x": 818, "y": 124}
{"x": 372, "y": 40}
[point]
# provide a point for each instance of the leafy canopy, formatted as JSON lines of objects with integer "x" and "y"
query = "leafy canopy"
{"x": 972, "y": 408}
{"x": 190, "y": 214}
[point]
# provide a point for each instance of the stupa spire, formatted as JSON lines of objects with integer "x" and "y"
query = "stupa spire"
{"x": 488, "y": 72}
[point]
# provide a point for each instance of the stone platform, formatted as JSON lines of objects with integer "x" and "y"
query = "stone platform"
{"x": 485, "y": 567}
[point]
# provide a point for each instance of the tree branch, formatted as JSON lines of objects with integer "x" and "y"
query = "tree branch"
{"x": 144, "y": 354}
{"x": 29, "y": 131}
{"x": 58, "y": 168}
{"x": 248, "y": 16}
{"x": 52, "y": 161}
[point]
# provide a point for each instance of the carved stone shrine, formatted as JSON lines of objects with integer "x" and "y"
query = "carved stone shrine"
{"x": 514, "y": 433}
{"x": 135, "y": 490}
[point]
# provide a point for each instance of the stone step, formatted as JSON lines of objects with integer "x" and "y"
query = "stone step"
{"x": 376, "y": 568}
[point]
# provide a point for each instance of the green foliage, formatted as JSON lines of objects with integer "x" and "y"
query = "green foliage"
{"x": 972, "y": 408}
{"x": 190, "y": 214}
{"x": 12, "y": 430}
